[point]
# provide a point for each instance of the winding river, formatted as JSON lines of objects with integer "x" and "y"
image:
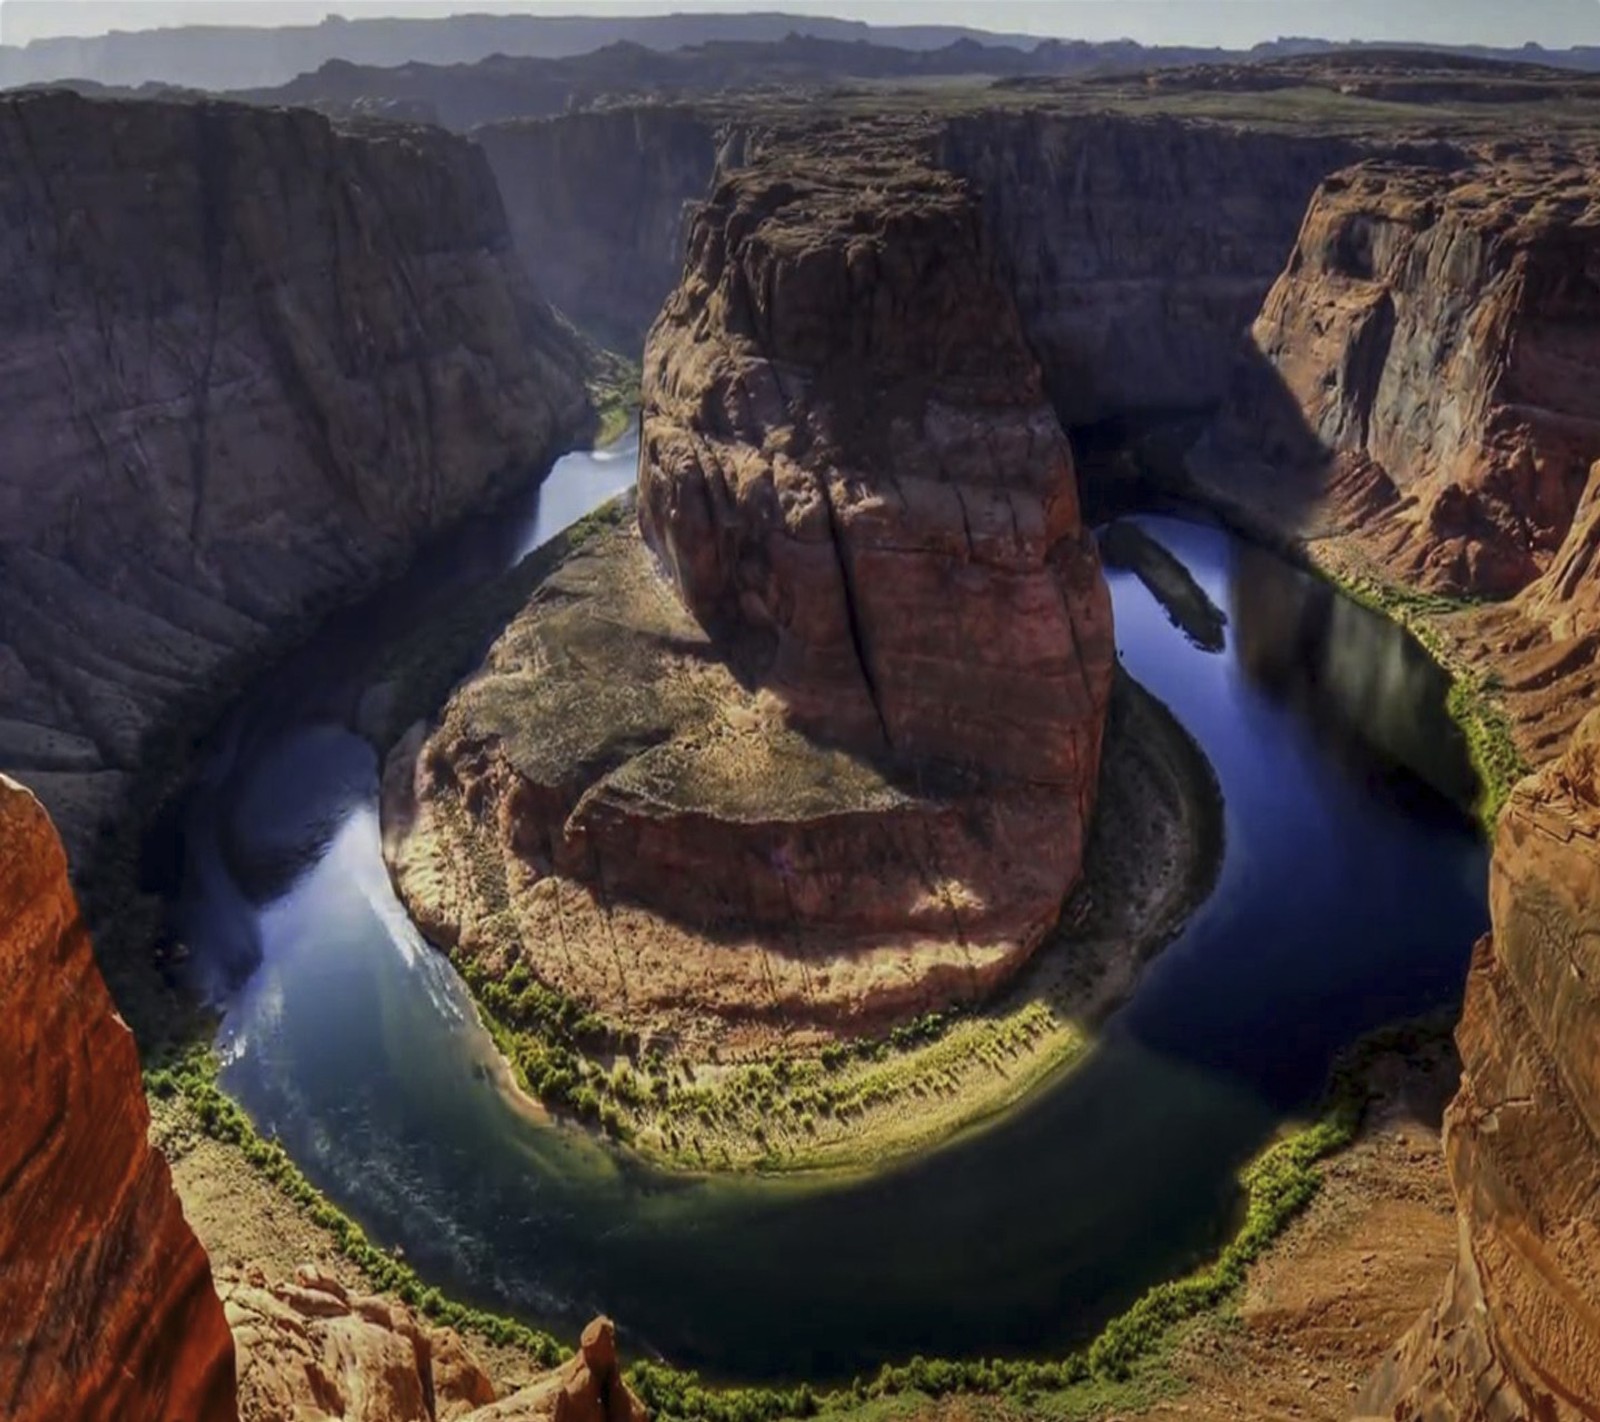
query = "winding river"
{"x": 1350, "y": 895}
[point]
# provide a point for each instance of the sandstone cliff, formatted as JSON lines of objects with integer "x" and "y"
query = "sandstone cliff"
{"x": 839, "y": 766}
{"x": 107, "y": 1311}
{"x": 1431, "y": 341}
{"x": 251, "y": 361}
{"x": 1517, "y": 1334}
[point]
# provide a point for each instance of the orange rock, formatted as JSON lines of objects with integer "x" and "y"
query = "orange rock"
{"x": 1517, "y": 1334}
{"x": 107, "y": 1311}
{"x": 829, "y": 758}
{"x": 1434, "y": 335}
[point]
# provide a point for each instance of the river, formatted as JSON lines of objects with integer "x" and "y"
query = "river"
{"x": 1350, "y": 895}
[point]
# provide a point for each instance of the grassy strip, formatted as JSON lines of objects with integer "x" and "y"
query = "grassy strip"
{"x": 191, "y": 1076}
{"x": 1472, "y": 703}
{"x": 1279, "y": 1184}
{"x": 614, "y": 388}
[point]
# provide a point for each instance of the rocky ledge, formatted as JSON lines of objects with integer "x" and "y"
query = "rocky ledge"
{"x": 1517, "y": 1333}
{"x": 310, "y": 1349}
{"x": 817, "y": 746}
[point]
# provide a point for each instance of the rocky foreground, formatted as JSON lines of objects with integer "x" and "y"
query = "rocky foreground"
{"x": 821, "y": 750}
{"x": 251, "y": 362}
{"x": 108, "y": 1308}
{"x": 1517, "y": 1333}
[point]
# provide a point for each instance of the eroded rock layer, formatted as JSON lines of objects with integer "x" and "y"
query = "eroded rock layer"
{"x": 311, "y": 1349}
{"x": 1432, "y": 344}
{"x": 1517, "y": 1334}
{"x": 251, "y": 361}
{"x": 830, "y": 755}
{"x": 107, "y": 1310}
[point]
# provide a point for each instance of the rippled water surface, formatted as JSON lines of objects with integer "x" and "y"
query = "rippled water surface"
{"x": 1350, "y": 895}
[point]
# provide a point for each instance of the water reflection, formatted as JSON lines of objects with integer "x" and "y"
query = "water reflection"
{"x": 1373, "y": 694}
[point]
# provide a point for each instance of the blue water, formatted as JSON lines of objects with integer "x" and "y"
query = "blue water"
{"x": 1350, "y": 895}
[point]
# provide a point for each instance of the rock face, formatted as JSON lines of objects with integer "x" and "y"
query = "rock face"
{"x": 843, "y": 427}
{"x": 1517, "y": 1334}
{"x": 1138, "y": 250}
{"x": 311, "y": 1349}
{"x": 107, "y": 1310}
{"x": 598, "y": 203}
{"x": 1432, "y": 339}
{"x": 251, "y": 361}
{"x": 837, "y": 764}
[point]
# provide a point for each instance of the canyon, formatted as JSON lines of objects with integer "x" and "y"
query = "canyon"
{"x": 800, "y": 789}
{"x": 799, "y": 745}
{"x": 252, "y": 362}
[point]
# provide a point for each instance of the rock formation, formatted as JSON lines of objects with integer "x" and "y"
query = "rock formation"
{"x": 107, "y": 1311}
{"x": 252, "y": 360}
{"x": 1432, "y": 338}
{"x": 311, "y": 1349}
{"x": 837, "y": 765}
{"x": 1517, "y": 1334}
{"x": 1138, "y": 250}
{"x": 598, "y": 205}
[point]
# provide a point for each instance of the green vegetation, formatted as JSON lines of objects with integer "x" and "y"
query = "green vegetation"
{"x": 614, "y": 387}
{"x": 1472, "y": 704}
{"x": 1278, "y": 1185}
{"x": 190, "y": 1075}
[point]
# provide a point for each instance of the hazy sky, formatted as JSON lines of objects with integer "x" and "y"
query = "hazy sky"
{"x": 1553, "y": 22}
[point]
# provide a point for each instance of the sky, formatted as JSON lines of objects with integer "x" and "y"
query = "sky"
{"x": 1233, "y": 22}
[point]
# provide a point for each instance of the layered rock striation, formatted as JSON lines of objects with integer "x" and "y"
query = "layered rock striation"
{"x": 1138, "y": 250}
{"x": 817, "y": 746}
{"x": 1430, "y": 348}
{"x": 251, "y": 361}
{"x": 1517, "y": 1334}
{"x": 107, "y": 1310}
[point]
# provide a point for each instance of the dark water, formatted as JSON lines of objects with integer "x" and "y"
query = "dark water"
{"x": 1350, "y": 895}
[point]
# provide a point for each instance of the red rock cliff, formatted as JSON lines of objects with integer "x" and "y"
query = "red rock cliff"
{"x": 848, "y": 452}
{"x": 1434, "y": 340}
{"x": 1517, "y": 1334}
{"x": 107, "y": 1311}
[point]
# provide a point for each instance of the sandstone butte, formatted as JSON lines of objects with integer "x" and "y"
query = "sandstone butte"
{"x": 1517, "y": 1333}
{"x": 817, "y": 745}
{"x": 108, "y": 1309}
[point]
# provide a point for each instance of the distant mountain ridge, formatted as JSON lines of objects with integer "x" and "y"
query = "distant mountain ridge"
{"x": 246, "y": 57}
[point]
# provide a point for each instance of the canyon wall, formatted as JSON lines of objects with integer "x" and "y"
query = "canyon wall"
{"x": 1431, "y": 348}
{"x": 251, "y": 361}
{"x": 598, "y": 204}
{"x": 107, "y": 1310}
{"x": 1138, "y": 249}
{"x": 1517, "y": 1333}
